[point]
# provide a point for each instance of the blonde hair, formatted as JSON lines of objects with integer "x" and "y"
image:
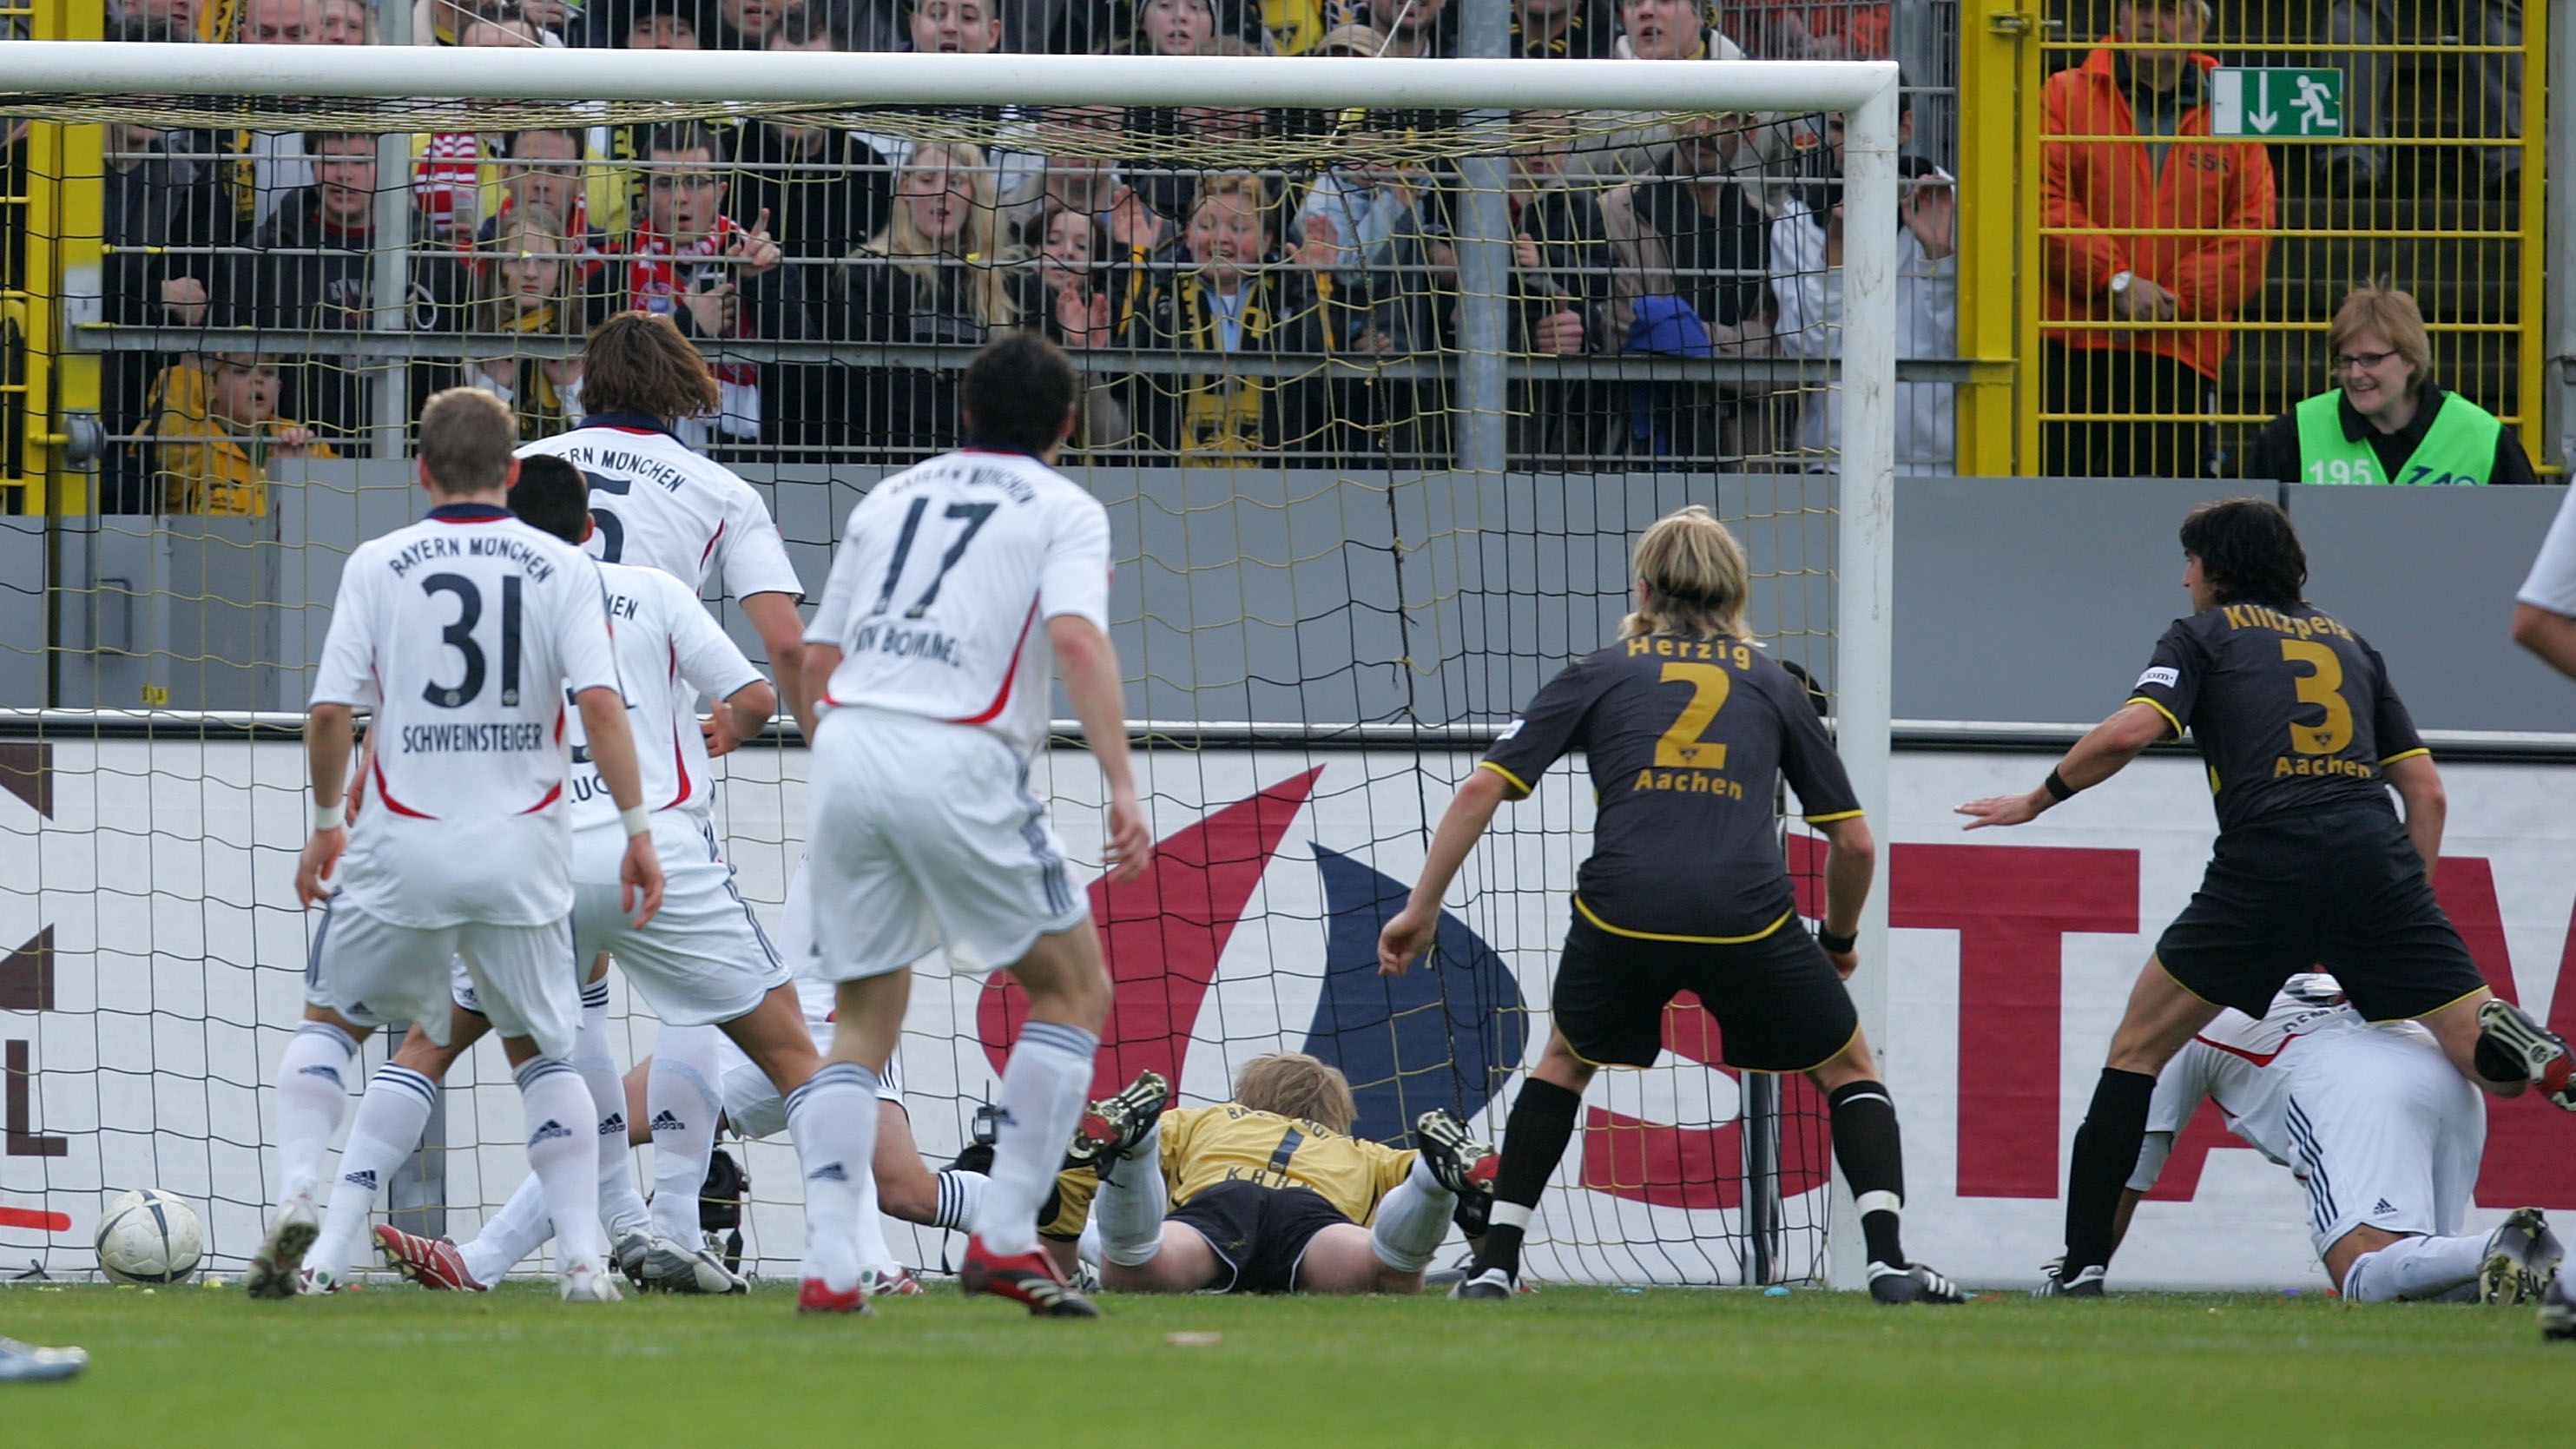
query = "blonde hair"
{"x": 978, "y": 245}
{"x": 2393, "y": 315}
{"x": 1696, "y": 578}
{"x": 541, "y": 232}
{"x": 1294, "y": 1084}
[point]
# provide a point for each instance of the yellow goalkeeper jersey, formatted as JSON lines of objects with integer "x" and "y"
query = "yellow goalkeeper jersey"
{"x": 1204, "y": 1146}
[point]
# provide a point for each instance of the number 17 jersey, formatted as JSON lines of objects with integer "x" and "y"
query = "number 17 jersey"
{"x": 942, "y": 585}
{"x": 2292, "y": 710}
{"x": 462, "y": 634}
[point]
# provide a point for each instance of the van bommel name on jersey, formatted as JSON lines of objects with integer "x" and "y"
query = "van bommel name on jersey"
{"x": 906, "y": 643}
{"x": 630, "y": 465}
{"x": 500, "y": 546}
{"x": 449, "y": 739}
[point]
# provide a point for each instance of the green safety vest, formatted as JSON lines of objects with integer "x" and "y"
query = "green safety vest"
{"x": 2460, "y": 447}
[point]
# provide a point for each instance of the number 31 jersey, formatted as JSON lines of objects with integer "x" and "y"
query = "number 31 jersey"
{"x": 462, "y": 634}
{"x": 2292, "y": 710}
{"x": 942, "y": 584}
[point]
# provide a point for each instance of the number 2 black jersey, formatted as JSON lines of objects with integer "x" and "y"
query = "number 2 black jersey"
{"x": 1686, "y": 739}
{"x": 2291, "y": 709}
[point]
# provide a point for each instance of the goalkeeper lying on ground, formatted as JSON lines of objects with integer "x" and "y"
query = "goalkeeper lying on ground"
{"x": 1267, "y": 1193}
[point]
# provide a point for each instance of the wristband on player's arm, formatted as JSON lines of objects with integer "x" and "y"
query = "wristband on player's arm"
{"x": 636, "y": 819}
{"x": 1835, "y": 945}
{"x": 2057, "y": 788}
{"x": 330, "y": 817}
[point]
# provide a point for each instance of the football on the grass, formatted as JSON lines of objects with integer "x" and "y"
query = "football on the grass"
{"x": 148, "y": 1236}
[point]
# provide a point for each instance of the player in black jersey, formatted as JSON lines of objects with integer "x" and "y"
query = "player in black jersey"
{"x": 1688, "y": 727}
{"x": 2304, "y": 737}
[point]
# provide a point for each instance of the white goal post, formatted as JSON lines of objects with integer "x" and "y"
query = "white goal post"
{"x": 1864, "y": 94}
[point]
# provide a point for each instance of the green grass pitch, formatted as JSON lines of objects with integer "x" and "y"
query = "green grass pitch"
{"x": 1570, "y": 1367}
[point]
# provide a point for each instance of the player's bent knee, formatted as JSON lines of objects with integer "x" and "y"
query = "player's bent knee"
{"x": 1853, "y": 1063}
{"x": 328, "y": 1017}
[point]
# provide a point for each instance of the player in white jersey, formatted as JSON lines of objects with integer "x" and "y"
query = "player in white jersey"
{"x": 958, "y": 586}
{"x": 663, "y": 506}
{"x": 703, "y": 961}
{"x": 462, "y": 635}
{"x": 2384, "y": 1135}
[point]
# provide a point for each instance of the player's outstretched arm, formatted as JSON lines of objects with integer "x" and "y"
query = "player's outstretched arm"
{"x": 328, "y": 731}
{"x": 2104, "y": 751}
{"x": 612, "y": 749}
{"x": 1408, "y": 933}
{"x": 1089, "y": 664}
{"x": 2418, "y": 783}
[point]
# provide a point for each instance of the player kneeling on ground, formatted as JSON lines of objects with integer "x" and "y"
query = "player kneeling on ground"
{"x": 1689, "y": 727}
{"x": 2382, "y": 1132}
{"x": 1269, "y": 1193}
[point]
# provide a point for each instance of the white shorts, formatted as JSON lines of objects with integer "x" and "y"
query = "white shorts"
{"x": 2386, "y": 1135}
{"x": 925, "y": 835}
{"x": 526, "y": 979}
{"x": 703, "y": 958}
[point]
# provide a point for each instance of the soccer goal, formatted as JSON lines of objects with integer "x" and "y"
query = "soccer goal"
{"x": 1387, "y": 364}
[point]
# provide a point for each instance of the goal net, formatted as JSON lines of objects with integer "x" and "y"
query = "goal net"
{"x": 1387, "y": 363}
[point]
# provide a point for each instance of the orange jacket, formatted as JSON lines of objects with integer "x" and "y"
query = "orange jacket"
{"x": 2107, "y": 189}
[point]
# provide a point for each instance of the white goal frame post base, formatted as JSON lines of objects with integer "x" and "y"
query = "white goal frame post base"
{"x": 1864, "y": 93}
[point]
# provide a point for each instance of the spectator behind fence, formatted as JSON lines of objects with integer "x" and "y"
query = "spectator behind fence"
{"x": 2389, "y": 422}
{"x": 940, "y": 272}
{"x": 1561, "y": 287}
{"x": 1228, "y": 298}
{"x": 348, "y": 22}
{"x": 712, "y": 276}
{"x": 1563, "y": 30}
{"x": 1416, "y": 28}
{"x": 447, "y": 174}
{"x": 549, "y": 167}
{"x": 528, "y": 285}
{"x": 650, "y": 24}
{"x": 312, "y": 270}
{"x": 956, "y": 27}
{"x": 1692, "y": 243}
{"x": 1076, "y": 280}
{"x": 1807, "y": 282}
{"x": 1619, "y": 145}
{"x": 825, "y": 189}
{"x": 2168, "y": 227}
{"x": 263, "y": 168}
{"x": 2371, "y": 81}
{"x": 215, "y": 428}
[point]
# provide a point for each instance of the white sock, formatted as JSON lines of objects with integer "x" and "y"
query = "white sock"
{"x": 960, "y": 1194}
{"x": 2414, "y": 1268}
{"x": 312, "y": 1090}
{"x": 559, "y": 1151}
{"x": 1412, "y": 1221}
{"x": 680, "y": 1101}
{"x": 867, "y": 1235}
{"x": 388, "y": 1126}
{"x": 833, "y": 1118}
{"x": 621, "y": 1206}
{"x": 1041, "y": 1099}
{"x": 1129, "y": 1208}
{"x": 510, "y": 1235}
{"x": 1087, "y": 1247}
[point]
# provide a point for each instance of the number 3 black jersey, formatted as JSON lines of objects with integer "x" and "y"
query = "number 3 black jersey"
{"x": 1686, "y": 739}
{"x": 2292, "y": 710}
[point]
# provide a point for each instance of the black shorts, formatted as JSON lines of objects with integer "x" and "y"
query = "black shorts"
{"x": 2342, "y": 890}
{"x": 1258, "y": 1232}
{"x": 1778, "y": 1004}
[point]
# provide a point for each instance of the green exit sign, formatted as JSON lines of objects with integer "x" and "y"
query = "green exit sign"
{"x": 2266, "y": 100}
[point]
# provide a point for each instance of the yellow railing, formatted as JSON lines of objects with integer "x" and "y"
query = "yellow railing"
{"x": 2445, "y": 218}
{"x": 52, "y": 214}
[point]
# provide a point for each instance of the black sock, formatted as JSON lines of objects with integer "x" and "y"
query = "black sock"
{"x": 1867, "y": 1144}
{"x": 2498, "y": 1065}
{"x": 2106, "y": 1154}
{"x": 1534, "y": 1140}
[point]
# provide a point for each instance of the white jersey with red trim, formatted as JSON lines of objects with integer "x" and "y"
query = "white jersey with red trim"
{"x": 670, "y": 653}
{"x": 2246, "y": 1066}
{"x": 942, "y": 585}
{"x": 661, "y": 506}
{"x": 464, "y": 635}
